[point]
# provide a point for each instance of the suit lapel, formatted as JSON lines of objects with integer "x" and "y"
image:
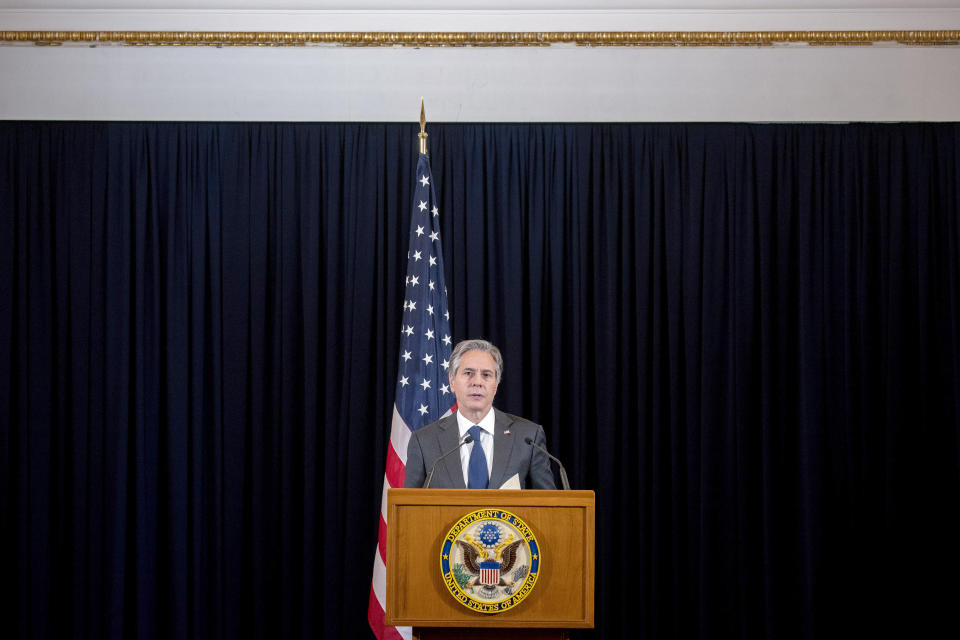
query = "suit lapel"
{"x": 447, "y": 438}
{"x": 503, "y": 444}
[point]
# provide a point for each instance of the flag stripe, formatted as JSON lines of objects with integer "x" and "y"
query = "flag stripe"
{"x": 375, "y": 616}
{"x": 395, "y": 467}
{"x": 380, "y": 580}
{"x": 399, "y": 435}
{"x": 382, "y": 540}
{"x": 383, "y": 499}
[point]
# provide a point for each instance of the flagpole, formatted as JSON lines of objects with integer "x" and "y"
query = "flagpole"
{"x": 423, "y": 129}
{"x": 422, "y": 393}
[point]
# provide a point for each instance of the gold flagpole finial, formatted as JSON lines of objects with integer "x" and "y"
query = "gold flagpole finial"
{"x": 423, "y": 129}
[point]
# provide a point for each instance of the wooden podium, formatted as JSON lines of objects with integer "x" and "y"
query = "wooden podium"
{"x": 561, "y": 599}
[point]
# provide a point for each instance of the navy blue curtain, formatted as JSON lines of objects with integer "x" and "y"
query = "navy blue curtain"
{"x": 744, "y": 338}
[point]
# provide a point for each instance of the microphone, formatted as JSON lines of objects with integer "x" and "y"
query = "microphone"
{"x": 467, "y": 439}
{"x": 563, "y": 472}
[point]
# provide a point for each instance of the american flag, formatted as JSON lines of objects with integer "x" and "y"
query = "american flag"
{"x": 423, "y": 394}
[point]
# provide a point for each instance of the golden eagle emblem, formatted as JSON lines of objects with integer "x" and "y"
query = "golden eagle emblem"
{"x": 490, "y": 560}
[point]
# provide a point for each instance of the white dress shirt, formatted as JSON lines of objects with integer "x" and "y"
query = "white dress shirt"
{"x": 486, "y": 425}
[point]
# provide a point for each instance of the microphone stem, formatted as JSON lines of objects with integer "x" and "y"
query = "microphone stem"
{"x": 426, "y": 483}
{"x": 563, "y": 477}
{"x": 563, "y": 472}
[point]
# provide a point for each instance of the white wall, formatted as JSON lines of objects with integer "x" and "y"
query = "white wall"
{"x": 557, "y": 83}
{"x": 465, "y": 85}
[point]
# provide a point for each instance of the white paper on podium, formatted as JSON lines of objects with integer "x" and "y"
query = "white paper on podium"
{"x": 513, "y": 482}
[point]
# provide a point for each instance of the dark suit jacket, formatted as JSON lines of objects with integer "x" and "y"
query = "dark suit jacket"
{"x": 511, "y": 454}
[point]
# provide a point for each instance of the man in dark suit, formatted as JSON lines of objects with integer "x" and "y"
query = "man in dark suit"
{"x": 498, "y": 450}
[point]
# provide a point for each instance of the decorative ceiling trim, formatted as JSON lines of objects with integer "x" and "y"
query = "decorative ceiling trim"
{"x": 482, "y": 39}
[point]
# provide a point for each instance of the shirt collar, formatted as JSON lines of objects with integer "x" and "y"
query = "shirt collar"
{"x": 487, "y": 423}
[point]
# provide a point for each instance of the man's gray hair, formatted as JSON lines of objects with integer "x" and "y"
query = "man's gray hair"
{"x": 475, "y": 345}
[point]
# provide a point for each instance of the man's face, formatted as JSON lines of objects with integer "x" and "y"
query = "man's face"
{"x": 475, "y": 384}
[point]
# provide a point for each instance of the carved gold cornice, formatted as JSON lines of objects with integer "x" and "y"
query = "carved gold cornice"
{"x": 482, "y": 39}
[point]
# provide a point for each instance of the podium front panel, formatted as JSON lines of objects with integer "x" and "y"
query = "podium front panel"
{"x": 562, "y": 522}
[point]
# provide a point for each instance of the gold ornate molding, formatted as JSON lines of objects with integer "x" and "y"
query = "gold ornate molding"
{"x": 482, "y": 39}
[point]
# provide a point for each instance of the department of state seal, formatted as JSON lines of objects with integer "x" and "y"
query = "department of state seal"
{"x": 490, "y": 560}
